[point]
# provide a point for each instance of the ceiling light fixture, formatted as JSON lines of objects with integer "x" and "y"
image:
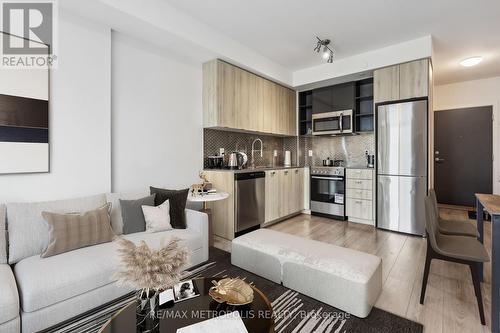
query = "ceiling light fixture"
{"x": 327, "y": 51}
{"x": 472, "y": 61}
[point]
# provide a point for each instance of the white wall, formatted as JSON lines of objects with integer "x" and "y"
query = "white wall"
{"x": 79, "y": 119}
{"x": 157, "y": 117}
{"x": 470, "y": 94}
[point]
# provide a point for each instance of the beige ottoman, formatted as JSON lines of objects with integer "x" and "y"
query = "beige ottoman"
{"x": 343, "y": 278}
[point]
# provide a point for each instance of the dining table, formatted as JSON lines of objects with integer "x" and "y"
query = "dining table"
{"x": 491, "y": 204}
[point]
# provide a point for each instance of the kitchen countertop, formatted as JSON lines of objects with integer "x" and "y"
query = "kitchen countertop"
{"x": 256, "y": 169}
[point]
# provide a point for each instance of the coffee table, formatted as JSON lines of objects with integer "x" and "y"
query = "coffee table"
{"x": 256, "y": 316}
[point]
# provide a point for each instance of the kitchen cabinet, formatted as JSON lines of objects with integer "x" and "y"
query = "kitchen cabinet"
{"x": 234, "y": 98}
{"x": 414, "y": 79}
{"x": 386, "y": 84}
{"x": 223, "y": 210}
{"x": 334, "y": 98}
{"x": 360, "y": 198}
{"x": 403, "y": 81}
{"x": 273, "y": 195}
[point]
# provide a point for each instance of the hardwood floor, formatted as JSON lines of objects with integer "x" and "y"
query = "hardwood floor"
{"x": 450, "y": 304}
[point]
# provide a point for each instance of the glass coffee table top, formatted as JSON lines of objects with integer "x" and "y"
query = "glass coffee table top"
{"x": 257, "y": 316}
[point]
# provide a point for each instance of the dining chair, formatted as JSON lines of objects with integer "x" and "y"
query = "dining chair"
{"x": 459, "y": 249}
{"x": 452, "y": 227}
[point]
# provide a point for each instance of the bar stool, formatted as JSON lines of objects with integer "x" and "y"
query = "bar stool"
{"x": 459, "y": 249}
{"x": 451, "y": 227}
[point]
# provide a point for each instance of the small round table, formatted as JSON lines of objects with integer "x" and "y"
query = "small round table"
{"x": 205, "y": 198}
{"x": 257, "y": 316}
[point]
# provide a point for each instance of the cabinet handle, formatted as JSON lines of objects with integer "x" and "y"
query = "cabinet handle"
{"x": 359, "y": 202}
{"x": 286, "y": 172}
{"x": 297, "y": 171}
{"x": 359, "y": 182}
{"x": 273, "y": 173}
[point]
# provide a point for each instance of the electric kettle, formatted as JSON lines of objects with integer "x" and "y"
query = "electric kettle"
{"x": 237, "y": 160}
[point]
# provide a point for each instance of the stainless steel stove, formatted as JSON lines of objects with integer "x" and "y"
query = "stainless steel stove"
{"x": 328, "y": 192}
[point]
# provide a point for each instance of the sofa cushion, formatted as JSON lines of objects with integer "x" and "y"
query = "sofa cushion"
{"x": 177, "y": 199}
{"x": 69, "y": 232}
{"x": 3, "y": 236}
{"x": 46, "y": 281}
{"x": 9, "y": 299}
{"x": 116, "y": 210}
{"x": 132, "y": 215}
{"x": 28, "y": 232}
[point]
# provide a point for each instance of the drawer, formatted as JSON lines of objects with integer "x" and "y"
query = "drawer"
{"x": 359, "y": 173}
{"x": 359, "y": 194}
{"x": 361, "y": 209}
{"x": 359, "y": 184}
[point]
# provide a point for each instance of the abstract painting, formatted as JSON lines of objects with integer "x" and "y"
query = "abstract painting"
{"x": 24, "y": 120}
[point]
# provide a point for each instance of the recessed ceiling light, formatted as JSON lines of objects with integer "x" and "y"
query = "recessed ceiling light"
{"x": 469, "y": 62}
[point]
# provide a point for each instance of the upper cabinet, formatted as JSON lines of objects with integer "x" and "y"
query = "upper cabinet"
{"x": 404, "y": 81}
{"x": 234, "y": 98}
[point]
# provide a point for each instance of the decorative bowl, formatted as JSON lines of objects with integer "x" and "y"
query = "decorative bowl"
{"x": 231, "y": 291}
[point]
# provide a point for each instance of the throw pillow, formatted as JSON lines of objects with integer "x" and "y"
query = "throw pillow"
{"x": 73, "y": 231}
{"x": 133, "y": 218}
{"x": 157, "y": 218}
{"x": 177, "y": 200}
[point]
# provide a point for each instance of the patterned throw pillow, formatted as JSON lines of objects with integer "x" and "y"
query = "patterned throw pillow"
{"x": 69, "y": 232}
{"x": 157, "y": 218}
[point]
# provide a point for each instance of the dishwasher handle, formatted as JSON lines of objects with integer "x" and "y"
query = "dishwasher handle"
{"x": 249, "y": 175}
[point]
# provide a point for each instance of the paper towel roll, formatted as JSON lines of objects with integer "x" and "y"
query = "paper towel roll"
{"x": 288, "y": 158}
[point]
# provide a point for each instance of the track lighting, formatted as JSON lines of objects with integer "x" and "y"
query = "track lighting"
{"x": 327, "y": 52}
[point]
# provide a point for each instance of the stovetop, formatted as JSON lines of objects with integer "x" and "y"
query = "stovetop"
{"x": 327, "y": 171}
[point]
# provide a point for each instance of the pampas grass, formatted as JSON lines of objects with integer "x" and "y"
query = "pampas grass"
{"x": 148, "y": 269}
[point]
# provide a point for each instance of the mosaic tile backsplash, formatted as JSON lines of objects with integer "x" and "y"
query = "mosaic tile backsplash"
{"x": 236, "y": 141}
{"x": 351, "y": 149}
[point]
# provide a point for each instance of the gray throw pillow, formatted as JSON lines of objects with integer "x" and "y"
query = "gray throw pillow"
{"x": 132, "y": 215}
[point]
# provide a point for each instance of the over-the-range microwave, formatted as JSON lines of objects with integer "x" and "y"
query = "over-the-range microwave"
{"x": 331, "y": 123}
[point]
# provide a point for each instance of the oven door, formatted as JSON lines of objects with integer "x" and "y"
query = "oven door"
{"x": 327, "y": 195}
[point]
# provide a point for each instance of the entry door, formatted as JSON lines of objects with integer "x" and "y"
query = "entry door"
{"x": 463, "y": 156}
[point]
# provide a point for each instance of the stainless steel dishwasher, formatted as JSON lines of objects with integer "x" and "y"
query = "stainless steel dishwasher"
{"x": 249, "y": 201}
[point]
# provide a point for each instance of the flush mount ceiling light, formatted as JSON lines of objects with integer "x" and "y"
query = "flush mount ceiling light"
{"x": 472, "y": 61}
{"x": 327, "y": 51}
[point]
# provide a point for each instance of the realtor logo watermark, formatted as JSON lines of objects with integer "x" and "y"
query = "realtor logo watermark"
{"x": 28, "y": 34}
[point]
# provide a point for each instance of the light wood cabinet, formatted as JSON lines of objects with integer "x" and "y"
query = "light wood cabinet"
{"x": 223, "y": 210}
{"x": 234, "y": 98}
{"x": 273, "y": 195}
{"x": 284, "y": 193}
{"x": 360, "y": 200}
{"x": 403, "y": 81}
{"x": 414, "y": 79}
{"x": 386, "y": 84}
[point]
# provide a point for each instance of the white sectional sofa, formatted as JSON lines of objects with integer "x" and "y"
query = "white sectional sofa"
{"x": 57, "y": 288}
{"x": 9, "y": 299}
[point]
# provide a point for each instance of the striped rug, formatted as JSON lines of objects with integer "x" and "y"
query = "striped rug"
{"x": 295, "y": 313}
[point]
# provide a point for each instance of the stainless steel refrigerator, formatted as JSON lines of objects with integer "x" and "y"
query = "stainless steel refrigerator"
{"x": 402, "y": 166}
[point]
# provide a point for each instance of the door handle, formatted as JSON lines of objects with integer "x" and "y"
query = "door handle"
{"x": 439, "y": 160}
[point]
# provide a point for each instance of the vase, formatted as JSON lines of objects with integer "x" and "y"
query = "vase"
{"x": 147, "y": 320}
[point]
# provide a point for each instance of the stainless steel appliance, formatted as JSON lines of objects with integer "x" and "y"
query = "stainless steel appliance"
{"x": 331, "y": 123}
{"x": 249, "y": 198}
{"x": 237, "y": 160}
{"x": 402, "y": 166}
{"x": 328, "y": 191}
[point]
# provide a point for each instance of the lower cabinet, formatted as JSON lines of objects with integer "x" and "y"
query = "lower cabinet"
{"x": 284, "y": 193}
{"x": 360, "y": 196}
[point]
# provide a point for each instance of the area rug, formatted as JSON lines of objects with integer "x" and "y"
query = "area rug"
{"x": 295, "y": 313}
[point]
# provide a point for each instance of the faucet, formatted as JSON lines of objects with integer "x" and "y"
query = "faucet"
{"x": 253, "y": 150}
